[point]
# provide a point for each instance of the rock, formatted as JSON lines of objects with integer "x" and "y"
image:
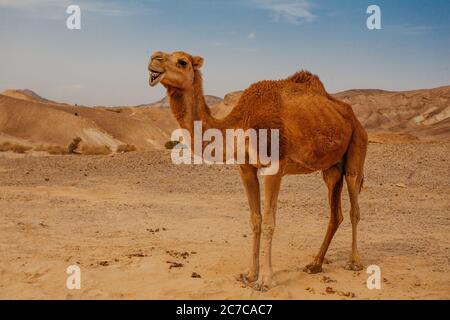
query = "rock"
{"x": 330, "y": 290}
{"x": 346, "y": 294}
{"x": 175, "y": 264}
{"x": 326, "y": 279}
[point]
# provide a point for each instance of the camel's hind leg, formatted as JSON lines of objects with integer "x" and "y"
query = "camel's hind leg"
{"x": 334, "y": 179}
{"x": 354, "y": 176}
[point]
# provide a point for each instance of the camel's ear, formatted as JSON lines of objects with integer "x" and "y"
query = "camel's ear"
{"x": 197, "y": 62}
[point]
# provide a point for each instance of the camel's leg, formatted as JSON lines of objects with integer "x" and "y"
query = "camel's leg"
{"x": 249, "y": 175}
{"x": 354, "y": 184}
{"x": 354, "y": 176}
{"x": 271, "y": 191}
{"x": 334, "y": 179}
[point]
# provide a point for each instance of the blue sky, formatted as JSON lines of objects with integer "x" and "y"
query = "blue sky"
{"x": 105, "y": 62}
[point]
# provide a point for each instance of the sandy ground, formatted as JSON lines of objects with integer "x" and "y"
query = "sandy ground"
{"x": 125, "y": 219}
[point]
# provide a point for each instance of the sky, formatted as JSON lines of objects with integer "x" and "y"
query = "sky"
{"x": 105, "y": 63}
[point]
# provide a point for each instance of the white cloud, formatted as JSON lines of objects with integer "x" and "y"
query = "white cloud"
{"x": 252, "y": 35}
{"x": 292, "y": 11}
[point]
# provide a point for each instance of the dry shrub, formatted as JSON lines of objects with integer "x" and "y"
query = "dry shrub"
{"x": 169, "y": 145}
{"x": 95, "y": 150}
{"x": 14, "y": 147}
{"x": 126, "y": 148}
{"x": 53, "y": 149}
{"x": 74, "y": 145}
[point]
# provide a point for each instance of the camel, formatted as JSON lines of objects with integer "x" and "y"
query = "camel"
{"x": 317, "y": 133}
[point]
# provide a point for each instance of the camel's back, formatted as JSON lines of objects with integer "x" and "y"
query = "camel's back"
{"x": 301, "y": 96}
{"x": 314, "y": 127}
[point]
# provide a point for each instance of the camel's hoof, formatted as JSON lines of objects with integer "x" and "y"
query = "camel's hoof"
{"x": 263, "y": 284}
{"x": 313, "y": 268}
{"x": 354, "y": 266}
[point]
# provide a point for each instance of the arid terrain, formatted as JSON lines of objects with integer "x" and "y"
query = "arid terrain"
{"x": 40, "y": 124}
{"x": 141, "y": 227}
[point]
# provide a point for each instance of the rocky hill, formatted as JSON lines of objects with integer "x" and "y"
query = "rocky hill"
{"x": 29, "y": 119}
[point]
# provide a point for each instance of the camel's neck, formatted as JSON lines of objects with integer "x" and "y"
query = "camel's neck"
{"x": 189, "y": 106}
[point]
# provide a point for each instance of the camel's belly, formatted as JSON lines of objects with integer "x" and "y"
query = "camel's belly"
{"x": 296, "y": 168}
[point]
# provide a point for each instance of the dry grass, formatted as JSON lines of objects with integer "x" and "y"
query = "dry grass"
{"x": 14, "y": 147}
{"x": 126, "y": 148}
{"x": 53, "y": 149}
{"x": 95, "y": 150}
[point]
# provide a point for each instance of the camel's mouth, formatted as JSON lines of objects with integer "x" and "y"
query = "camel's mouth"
{"x": 156, "y": 77}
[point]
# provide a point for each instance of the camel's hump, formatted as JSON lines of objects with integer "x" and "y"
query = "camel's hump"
{"x": 302, "y": 82}
{"x": 311, "y": 81}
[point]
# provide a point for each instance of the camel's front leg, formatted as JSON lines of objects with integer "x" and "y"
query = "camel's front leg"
{"x": 272, "y": 188}
{"x": 251, "y": 184}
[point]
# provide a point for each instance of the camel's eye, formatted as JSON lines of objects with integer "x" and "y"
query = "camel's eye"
{"x": 182, "y": 62}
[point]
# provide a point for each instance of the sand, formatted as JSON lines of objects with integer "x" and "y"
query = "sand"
{"x": 139, "y": 227}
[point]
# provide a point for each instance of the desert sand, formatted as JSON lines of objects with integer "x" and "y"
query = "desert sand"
{"x": 141, "y": 227}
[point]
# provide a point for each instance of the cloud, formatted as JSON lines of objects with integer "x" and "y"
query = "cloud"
{"x": 291, "y": 11}
{"x": 252, "y": 35}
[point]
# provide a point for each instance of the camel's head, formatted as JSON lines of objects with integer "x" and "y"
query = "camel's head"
{"x": 175, "y": 69}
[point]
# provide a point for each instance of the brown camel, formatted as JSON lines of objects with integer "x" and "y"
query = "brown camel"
{"x": 317, "y": 132}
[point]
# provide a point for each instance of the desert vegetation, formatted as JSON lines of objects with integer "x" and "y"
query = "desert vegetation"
{"x": 52, "y": 149}
{"x": 126, "y": 148}
{"x": 169, "y": 145}
{"x": 14, "y": 147}
{"x": 74, "y": 145}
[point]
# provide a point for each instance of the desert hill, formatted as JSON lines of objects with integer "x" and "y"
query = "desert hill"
{"x": 164, "y": 102}
{"x": 224, "y": 107}
{"x": 422, "y": 113}
{"x": 25, "y": 94}
{"x": 29, "y": 119}
{"x": 50, "y": 124}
